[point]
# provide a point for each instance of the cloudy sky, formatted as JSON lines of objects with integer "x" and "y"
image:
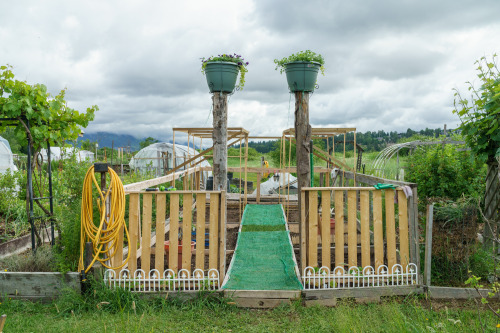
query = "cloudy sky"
{"x": 390, "y": 64}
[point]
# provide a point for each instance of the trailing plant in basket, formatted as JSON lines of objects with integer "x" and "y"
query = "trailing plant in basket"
{"x": 307, "y": 55}
{"x": 226, "y": 57}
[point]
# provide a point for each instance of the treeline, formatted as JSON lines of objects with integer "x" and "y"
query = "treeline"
{"x": 369, "y": 141}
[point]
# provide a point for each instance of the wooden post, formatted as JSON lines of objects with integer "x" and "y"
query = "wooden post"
{"x": 219, "y": 138}
{"x": 302, "y": 139}
{"x": 491, "y": 204}
{"x": 428, "y": 245}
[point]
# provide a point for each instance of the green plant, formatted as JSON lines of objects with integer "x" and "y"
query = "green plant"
{"x": 306, "y": 55}
{"x": 445, "y": 172}
{"x": 41, "y": 261}
{"x": 235, "y": 58}
{"x": 480, "y": 113}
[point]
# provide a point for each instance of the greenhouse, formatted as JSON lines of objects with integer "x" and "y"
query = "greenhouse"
{"x": 6, "y": 158}
{"x": 158, "y": 158}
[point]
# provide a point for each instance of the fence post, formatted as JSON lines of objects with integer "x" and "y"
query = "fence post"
{"x": 428, "y": 245}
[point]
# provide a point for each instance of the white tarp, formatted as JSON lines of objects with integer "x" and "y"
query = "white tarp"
{"x": 61, "y": 153}
{"x": 153, "y": 157}
{"x": 271, "y": 186}
{"x": 6, "y": 158}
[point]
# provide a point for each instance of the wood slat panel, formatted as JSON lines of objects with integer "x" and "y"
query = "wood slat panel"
{"x": 200, "y": 230}
{"x": 174, "y": 233}
{"x": 390, "y": 225}
{"x": 187, "y": 219}
{"x": 404, "y": 247}
{"x": 117, "y": 259}
{"x": 378, "y": 230}
{"x": 302, "y": 232}
{"x": 312, "y": 259}
{"x": 222, "y": 237}
{"x": 147, "y": 202}
{"x": 161, "y": 201}
{"x": 213, "y": 232}
{"x": 352, "y": 230}
{"x": 339, "y": 228}
{"x": 365, "y": 228}
{"x": 133, "y": 230}
{"x": 325, "y": 229}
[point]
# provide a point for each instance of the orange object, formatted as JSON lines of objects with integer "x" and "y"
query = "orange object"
{"x": 179, "y": 251}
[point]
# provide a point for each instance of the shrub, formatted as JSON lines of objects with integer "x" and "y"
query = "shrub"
{"x": 445, "y": 173}
{"x": 42, "y": 261}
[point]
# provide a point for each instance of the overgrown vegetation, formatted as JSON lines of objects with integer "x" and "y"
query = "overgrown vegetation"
{"x": 445, "y": 172}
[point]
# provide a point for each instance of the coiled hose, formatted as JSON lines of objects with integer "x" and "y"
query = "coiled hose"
{"x": 105, "y": 236}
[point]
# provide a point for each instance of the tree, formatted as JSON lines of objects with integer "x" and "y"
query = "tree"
{"x": 38, "y": 117}
{"x": 50, "y": 119}
{"x": 480, "y": 119}
{"x": 147, "y": 141}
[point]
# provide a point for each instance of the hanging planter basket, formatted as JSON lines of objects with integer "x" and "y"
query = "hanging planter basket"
{"x": 302, "y": 75}
{"x": 221, "y": 76}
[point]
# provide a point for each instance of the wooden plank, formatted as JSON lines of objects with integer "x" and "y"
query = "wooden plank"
{"x": 339, "y": 228}
{"x": 161, "y": 201}
{"x": 457, "y": 293}
{"x": 40, "y": 284}
{"x": 365, "y": 228}
{"x": 390, "y": 224}
{"x": 262, "y": 293}
{"x": 325, "y": 229}
{"x": 259, "y": 176}
{"x": 312, "y": 258}
{"x": 372, "y": 180}
{"x": 117, "y": 259}
{"x": 133, "y": 222}
{"x": 302, "y": 233}
{"x": 174, "y": 233}
{"x": 378, "y": 230}
{"x": 352, "y": 230}
{"x": 200, "y": 230}
{"x": 404, "y": 247}
{"x": 261, "y": 303}
{"x": 361, "y": 292}
{"x": 187, "y": 219}
{"x": 3, "y": 319}
{"x": 213, "y": 233}
{"x": 222, "y": 237}
{"x": 415, "y": 235}
{"x": 147, "y": 201}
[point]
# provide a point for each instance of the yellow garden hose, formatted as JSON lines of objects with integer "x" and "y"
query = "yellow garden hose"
{"x": 105, "y": 236}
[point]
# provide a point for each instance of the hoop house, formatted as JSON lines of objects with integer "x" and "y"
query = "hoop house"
{"x": 158, "y": 156}
{"x": 6, "y": 158}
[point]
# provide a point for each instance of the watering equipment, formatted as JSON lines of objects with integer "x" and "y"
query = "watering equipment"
{"x": 105, "y": 236}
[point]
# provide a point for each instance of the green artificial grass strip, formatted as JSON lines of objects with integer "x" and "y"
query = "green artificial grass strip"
{"x": 263, "y": 259}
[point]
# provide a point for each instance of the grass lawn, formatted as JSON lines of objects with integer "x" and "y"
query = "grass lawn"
{"x": 76, "y": 314}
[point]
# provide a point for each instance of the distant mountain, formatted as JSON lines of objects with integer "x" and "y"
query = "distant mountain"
{"x": 106, "y": 139}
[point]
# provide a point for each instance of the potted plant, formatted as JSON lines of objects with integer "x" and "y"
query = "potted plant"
{"x": 301, "y": 70}
{"x": 222, "y": 72}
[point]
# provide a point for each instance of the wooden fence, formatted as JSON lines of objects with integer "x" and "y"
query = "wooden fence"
{"x": 178, "y": 214}
{"x": 374, "y": 224}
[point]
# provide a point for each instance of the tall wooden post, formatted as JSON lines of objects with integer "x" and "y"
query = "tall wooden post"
{"x": 302, "y": 138}
{"x": 219, "y": 137}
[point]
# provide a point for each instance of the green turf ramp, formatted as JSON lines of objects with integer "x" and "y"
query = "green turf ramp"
{"x": 263, "y": 260}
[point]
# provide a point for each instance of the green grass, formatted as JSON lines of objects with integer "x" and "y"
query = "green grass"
{"x": 213, "y": 314}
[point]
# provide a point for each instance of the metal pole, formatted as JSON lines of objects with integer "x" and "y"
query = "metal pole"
{"x": 30, "y": 191}
{"x": 51, "y": 198}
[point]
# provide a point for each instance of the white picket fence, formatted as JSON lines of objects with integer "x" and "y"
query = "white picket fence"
{"x": 354, "y": 277}
{"x": 169, "y": 281}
